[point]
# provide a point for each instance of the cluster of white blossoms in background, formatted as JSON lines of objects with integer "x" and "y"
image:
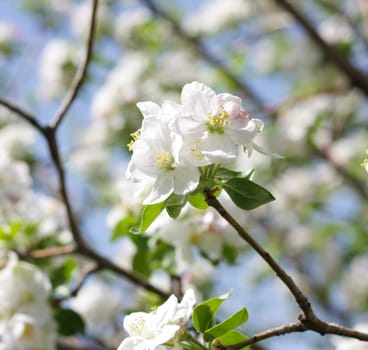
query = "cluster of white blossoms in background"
{"x": 175, "y": 140}
{"x": 57, "y": 65}
{"x": 21, "y": 206}
{"x": 100, "y": 317}
{"x": 161, "y": 326}
{"x": 26, "y": 321}
{"x": 208, "y": 232}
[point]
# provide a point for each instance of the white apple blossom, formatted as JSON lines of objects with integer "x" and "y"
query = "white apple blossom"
{"x": 24, "y": 288}
{"x": 156, "y": 154}
{"x": 91, "y": 161}
{"x": 100, "y": 317}
{"x": 150, "y": 331}
{"x": 335, "y": 30}
{"x": 214, "y": 15}
{"x": 23, "y": 332}
{"x": 128, "y": 20}
{"x": 213, "y": 126}
{"x": 26, "y": 321}
{"x": 17, "y": 147}
{"x": 15, "y": 182}
{"x": 58, "y": 61}
{"x": 130, "y": 196}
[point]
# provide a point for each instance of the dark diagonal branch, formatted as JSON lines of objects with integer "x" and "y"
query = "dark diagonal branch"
{"x": 22, "y": 113}
{"x": 348, "y": 19}
{"x": 357, "y": 77}
{"x": 307, "y": 320}
{"x": 81, "y": 72}
{"x": 300, "y": 298}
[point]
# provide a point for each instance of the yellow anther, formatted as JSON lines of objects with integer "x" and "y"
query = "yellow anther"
{"x": 217, "y": 122}
{"x": 165, "y": 160}
{"x": 135, "y": 136}
{"x": 27, "y": 331}
{"x": 197, "y": 151}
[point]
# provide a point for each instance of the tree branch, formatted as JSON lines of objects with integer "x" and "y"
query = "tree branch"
{"x": 82, "y": 247}
{"x": 49, "y": 252}
{"x": 357, "y": 77}
{"x": 359, "y": 186}
{"x": 81, "y": 73}
{"x": 307, "y": 319}
{"x": 300, "y": 298}
{"x": 22, "y": 113}
{"x": 273, "y": 332}
{"x": 348, "y": 19}
{"x": 49, "y": 132}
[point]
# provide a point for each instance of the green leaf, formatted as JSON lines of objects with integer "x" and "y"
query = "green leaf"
{"x": 63, "y": 274}
{"x": 174, "y": 211}
{"x": 174, "y": 204}
{"x": 198, "y": 200}
{"x": 205, "y": 312}
{"x": 214, "y": 303}
{"x": 149, "y": 214}
{"x": 229, "y": 253}
{"x": 234, "y": 321}
{"x": 175, "y": 199}
{"x": 230, "y": 338}
{"x": 123, "y": 226}
{"x": 141, "y": 262}
{"x": 69, "y": 322}
{"x": 202, "y": 318}
{"x": 246, "y": 194}
{"x": 227, "y": 174}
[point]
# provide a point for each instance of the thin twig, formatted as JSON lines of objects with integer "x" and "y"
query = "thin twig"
{"x": 81, "y": 72}
{"x": 22, "y": 113}
{"x": 357, "y": 77}
{"x": 50, "y": 252}
{"x": 269, "y": 333}
{"x": 78, "y": 344}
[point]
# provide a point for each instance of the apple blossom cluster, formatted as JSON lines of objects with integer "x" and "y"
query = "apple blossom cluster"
{"x": 176, "y": 141}
{"x": 160, "y": 327}
{"x": 26, "y": 320}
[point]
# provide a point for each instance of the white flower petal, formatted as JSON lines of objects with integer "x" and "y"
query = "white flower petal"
{"x": 162, "y": 188}
{"x": 185, "y": 308}
{"x": 218, "y": 149}
{"x": 149, "y": 109}
{"x": 199, "y": 98}
{"x": 186, "y": 179}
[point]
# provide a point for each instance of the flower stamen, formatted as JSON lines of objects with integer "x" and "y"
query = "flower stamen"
{"x": 135, "y": 136}
{"x": 217, "y": 122}
{"x": 165, "y": 160}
